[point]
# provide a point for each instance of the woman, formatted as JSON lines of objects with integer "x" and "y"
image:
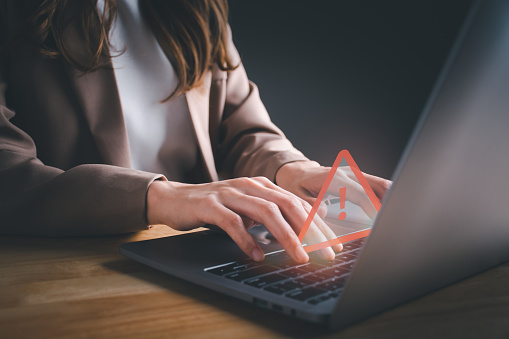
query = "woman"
{"x": 115, "y": 116}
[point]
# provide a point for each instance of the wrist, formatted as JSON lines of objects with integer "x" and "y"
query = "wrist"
{"x": 155, "y": 194}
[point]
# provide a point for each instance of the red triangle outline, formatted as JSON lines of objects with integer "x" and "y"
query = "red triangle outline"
{"x": 364, "y": 183}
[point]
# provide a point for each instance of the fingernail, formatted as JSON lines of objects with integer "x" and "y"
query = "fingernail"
{"x": 337, "y": 247}
{"x": 301, "y": 254}
{"x": 327, "y": 253}
{"x": 257, "y": 255}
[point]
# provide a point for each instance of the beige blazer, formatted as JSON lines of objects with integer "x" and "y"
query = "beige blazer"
{"x": 64, "y": 154}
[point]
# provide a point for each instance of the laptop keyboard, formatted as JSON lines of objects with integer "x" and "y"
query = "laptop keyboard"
{"x": 313, "y": 282}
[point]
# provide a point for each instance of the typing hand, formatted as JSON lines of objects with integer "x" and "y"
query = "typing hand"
{"x": 234, "y": 206}
{"x": 305, "y": 179}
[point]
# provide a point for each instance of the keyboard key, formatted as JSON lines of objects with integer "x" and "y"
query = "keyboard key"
{"x": 336, "y": 293}
{"x": 294, "y": 272}
{"x": 359, "y": 242}
{"x": 355, "y": 252}
{"x": 315, "y": 257}
{"x": 305, "y": 294}
{"x": 304, "y": 281}
{"x": 327, "y": 263}
{"x": 349, "y": 246}
{"x": 354, "y": 244}
{"x": 292, "y": 284}
{"x": 248, "y": 263}
{"x": 251, "y": 273}
{"x": 348, "y": 266}
{"x": 279, "y": 288}
{"x": 224, "y": 269}
{"x": 234, "y": 267}
{"x": 335, "y": 271}
{"x": 261, "y": 282}
{"x": 277, "y": 255}
{"x": 351, "y": 255}
{"x": 283, "y": 263}
{"x": 311, "y": 267}
{"x": 344, "y": 257}
{"x": 333, "y": 284}
{"x": 280, "y": 259}
{"x": 317, "y": 277}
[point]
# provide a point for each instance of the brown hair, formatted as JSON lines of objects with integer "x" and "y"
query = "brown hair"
{"x": 193, "y": 34}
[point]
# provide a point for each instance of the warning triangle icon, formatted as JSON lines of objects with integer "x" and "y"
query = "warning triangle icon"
{"x": 345, "y": 156}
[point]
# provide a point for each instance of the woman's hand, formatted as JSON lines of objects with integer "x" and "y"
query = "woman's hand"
{"x": 235, "y": 205}
{"x": 305, "y": 179}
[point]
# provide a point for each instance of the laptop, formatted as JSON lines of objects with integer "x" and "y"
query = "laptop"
{"x": 445, "y": 218}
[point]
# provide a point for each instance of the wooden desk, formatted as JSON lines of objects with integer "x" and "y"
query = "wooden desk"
{"x": 82, "y": 287}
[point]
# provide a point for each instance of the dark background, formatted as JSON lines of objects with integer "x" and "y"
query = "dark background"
{"x": 346, "y": 74}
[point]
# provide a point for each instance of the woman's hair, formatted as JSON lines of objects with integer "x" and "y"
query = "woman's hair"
{"x": 193, "y": 34}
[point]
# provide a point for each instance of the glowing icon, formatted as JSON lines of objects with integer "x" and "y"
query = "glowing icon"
{"x": 344, "y": 154}
{"x": 342, "y": 197}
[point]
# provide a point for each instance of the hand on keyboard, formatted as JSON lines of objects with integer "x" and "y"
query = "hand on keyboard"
{"x": 235, "y": 205}
{"x": 305, "y": 179}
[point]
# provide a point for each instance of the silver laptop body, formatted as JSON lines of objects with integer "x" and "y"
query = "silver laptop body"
{"x": 446, "y": 216}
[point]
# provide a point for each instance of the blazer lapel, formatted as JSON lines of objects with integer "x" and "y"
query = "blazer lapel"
{"x": 198, "y": 104}
{"x": 98, "y": 97}
{"x": 97, "y": 93}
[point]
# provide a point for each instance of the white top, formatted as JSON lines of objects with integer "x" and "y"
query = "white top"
{"x": 161, "y": 135}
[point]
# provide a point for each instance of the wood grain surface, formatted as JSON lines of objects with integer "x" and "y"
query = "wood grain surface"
{"x": 83, "y": 288}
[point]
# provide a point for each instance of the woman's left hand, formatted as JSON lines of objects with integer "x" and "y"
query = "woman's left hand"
{"x": 305, "y": 179}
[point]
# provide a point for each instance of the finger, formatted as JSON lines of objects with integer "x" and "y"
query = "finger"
{"x": 248, "y": 223}
{"x": 315, "y": 236}
{"x": 290, "y": 204}
{"x": 306, "y": 200}
{"x": 379, "y": 185}
{"x": 329, "y": 234}
{"x": 268, "y": 213}
{"x": 317, "y": 227}
{"x": 264, "y": 182}
{"x": 296, "y": 212}
{"x": 233, "y": 224}
{"x": 326, "y": 231}
{"x": 322, "y": 208}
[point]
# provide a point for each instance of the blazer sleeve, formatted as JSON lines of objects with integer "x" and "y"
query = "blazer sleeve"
{"x": 41, "y": 200}
{"x": 250, "y": 144}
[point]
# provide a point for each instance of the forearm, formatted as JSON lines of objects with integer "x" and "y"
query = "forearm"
{"x": 85, "y": 200}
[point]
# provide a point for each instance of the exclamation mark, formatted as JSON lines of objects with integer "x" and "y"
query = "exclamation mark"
{"x": 342, "y": 198}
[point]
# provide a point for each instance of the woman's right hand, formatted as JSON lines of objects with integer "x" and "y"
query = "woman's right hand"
{"x": 235, "y": 205}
